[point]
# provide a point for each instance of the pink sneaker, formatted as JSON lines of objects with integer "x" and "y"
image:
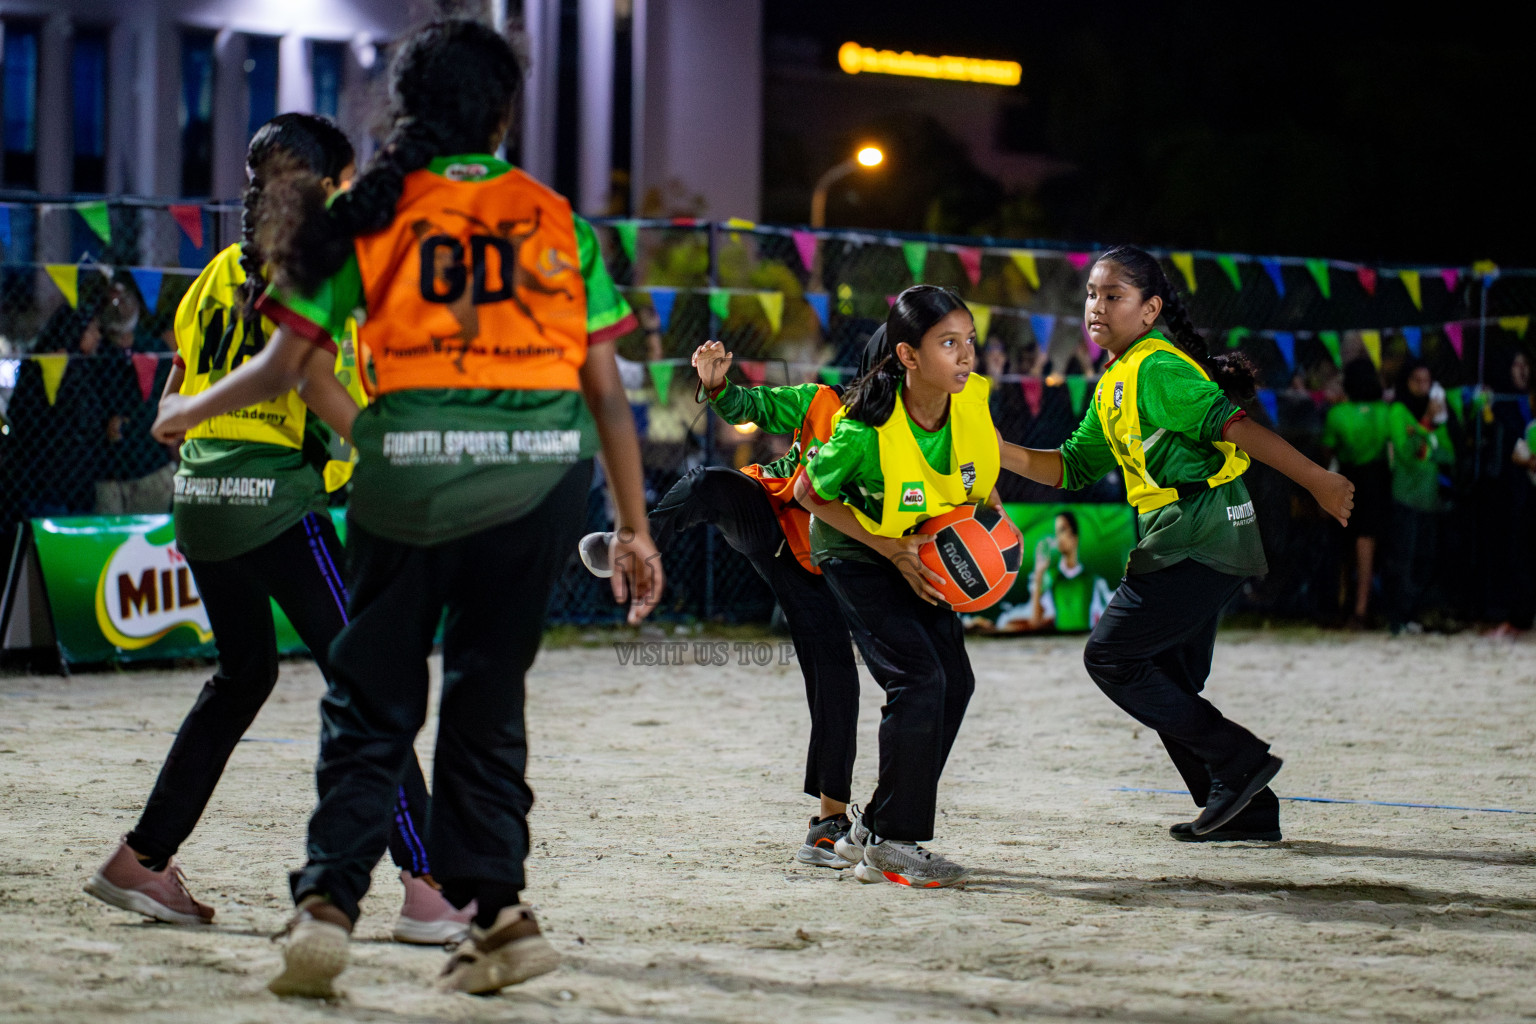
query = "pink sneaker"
{"x": 427, "y": 918}
{"x": 124, "y": 882}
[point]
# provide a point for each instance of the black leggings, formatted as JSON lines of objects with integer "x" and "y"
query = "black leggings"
{"x": 737, "y": 505}
{"x": 299, "y": 569}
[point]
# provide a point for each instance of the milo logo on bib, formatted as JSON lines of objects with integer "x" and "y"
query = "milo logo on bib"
{"x": 913, "y": 497}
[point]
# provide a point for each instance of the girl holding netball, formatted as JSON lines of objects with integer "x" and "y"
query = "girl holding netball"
{"x": 488, "y": 314}
{"x": 1164, "y": 411}
{"x": 916, "y": 440}
{"x": 246, "y": 552}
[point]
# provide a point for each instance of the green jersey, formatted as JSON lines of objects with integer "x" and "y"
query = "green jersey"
{"x": 1073, "y": 597}
{"x": 1417, "y": 455}
{"x": 234, "y": 496}
{"x": 1357, "y": 432}
{"x": 775, "y": 410}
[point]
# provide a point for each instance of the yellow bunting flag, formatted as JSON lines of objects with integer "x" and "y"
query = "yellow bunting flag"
{"x": 740, "y": 224}
{"x": 1185, "y": 261}
{"x": 67, "y": 277}
{"x": 1025, "y": 261}
{"x": 53, "y": 367}
{"x": 1372, "y": 342}
{"x": 1518, "y": 324}
{"x": 1410, "y": 279}
{"x": 982, "y": 316}
{"x": 773, "y": 308}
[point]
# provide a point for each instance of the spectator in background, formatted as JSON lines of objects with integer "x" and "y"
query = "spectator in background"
{"x": 1508, "y": 504}
{"x": 1418, "y": 447}
{"x": 57, "y": 448}
{"x": 1355, "y": 433}
{"x": 139, "y": 472}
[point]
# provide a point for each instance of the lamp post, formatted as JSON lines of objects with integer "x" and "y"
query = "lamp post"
{"x": 867, "y": 157}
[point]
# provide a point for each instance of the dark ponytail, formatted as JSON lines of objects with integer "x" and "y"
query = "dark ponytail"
{"x": 1232, "y": 372}
{"x": 453, "y": 85}
{"x": 872, "y": 398}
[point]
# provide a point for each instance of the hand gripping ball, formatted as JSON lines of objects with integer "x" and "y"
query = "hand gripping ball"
{"x": 977, "y": 552}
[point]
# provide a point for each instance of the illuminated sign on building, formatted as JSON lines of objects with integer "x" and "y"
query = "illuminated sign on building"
{"x": 856, "y": 59}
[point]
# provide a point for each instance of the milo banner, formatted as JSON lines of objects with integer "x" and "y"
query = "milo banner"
{"x": 1074, "y": 557}
{"x": 120, "y": 591}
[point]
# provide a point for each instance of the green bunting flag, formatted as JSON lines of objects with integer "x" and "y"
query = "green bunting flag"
{"x": 1077, "y": 390}
{"x": 96, "y": 216}
{"x": 720, "y": 303}
{"x": 1236, "y": 335}
{"x": 661, "y": 377}
{"x": 1330, "y": 340}
{"x": 628, "y": 234}
{"x": 917, "y": 258}
{"x": 1229, "y": 266}
{"x": 831, "y": 376}
{"x": 1319, "y": 271}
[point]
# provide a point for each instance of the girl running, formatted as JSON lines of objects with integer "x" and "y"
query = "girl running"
{"x": 487, "y": 313}
{"x": 915, "y": 441}
{"x": 1164, "y": 412}
{"x": 756, "y": 511}
{"x": 244, "y": 553}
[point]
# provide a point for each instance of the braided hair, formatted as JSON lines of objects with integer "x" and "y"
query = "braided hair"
{"x": 453, "y": 86}
{"x": 872, "y": 398}
{"x": 1232, "y": 372}
{"x": 288, "y": 141}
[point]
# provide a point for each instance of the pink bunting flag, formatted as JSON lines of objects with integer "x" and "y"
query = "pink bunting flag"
{"x": 970, "y": 261}
{"x": 1367, "y": 276}
{"x": 190, "y": 220}
{"x": 754, "y": 370}
{"x": 805, "y": 245}
{"x": 1453, "y": 332}
{"x": 1031, "y": 387}
{"x": 1452, "y": 277}
{"x": 890, "y": 300}
{"x": 145, "y": 366}
{"x": 1079, "y": 260}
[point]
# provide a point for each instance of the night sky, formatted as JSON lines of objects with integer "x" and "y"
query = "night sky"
{"x": 1378, "y": 135}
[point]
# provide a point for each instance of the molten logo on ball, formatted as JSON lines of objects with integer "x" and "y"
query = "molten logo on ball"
{"x": 977, "y": 551}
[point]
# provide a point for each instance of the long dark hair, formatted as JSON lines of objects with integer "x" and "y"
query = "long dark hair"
{"x": 452, "y": 86}
{"x": 1361, "y": 381}
{"x": 872, "y": 398}
{"x": 1232, "y": 372}
{"x": 306, "y": 143}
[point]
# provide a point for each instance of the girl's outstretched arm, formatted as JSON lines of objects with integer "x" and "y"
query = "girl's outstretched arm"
{"x": 280, "y": 366}
{"x": 1042, "y": 465}
{"x": 1333, "y": 492}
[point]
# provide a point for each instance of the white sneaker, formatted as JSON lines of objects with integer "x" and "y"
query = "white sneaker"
{"x": 315, "y": 953}
{"x": 593, "y": 549}
{"x": 890, "y": 860}
{"x": 850, "y": 845}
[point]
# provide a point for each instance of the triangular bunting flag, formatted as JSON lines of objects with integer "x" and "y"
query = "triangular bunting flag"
{"x": 890, "y": 300}
{"x": 916, "y": 254}
{"x": 1330, "y": 340}
{"x": 1286, "y": 343}
{"x": 1487, "y": 270}
{"x": 773, "y": 309}
{"x": 1025, "y": 261}
{"x": 1518, "y": 324}
{"x": 190, "y": 220}
{"x": 753, "y": 370}
{"x": 52, "y": 367}
{"x": 1077, "y": 390}
{"x": 1270, "y": 403}
{"x": 1319, "y": 271}
{"x": 720, "y": 303}
{"x": 805, "y": 245}
{"x": 148, "y": 281}
{"x": 981, "y": 316}
{"x": 1367, "y": 276}
{"x": 662, "y": 300}
{"x": 970, "y": 262}
{"x": 740, "y": 224}
{"x": 1044, "y": 325}
{"x": 1410, "y": 279}
{"x": 831, "y": 376}
{"x": 1229, "y": 266}
{"x": 1031, "y": 387}
{"x": 1185, "y": 261}
{"x": 1272, "y": 268}
{"x": 661, "y": 377}
{"x": 1452, "y": 277}
{"x": 629, "y": 236}
{"x": 1456, "y": 398}
{"x": 97, "y": 218}
{"x": 145, "y": 366}
{"x": 1371, "y": 342}
{"x": 1453, "y": 334}
{"x": 1236, "y": 335}
{"x": 5, "y": 225}
{"x": 67, "y": 277}
{"x": 1079, "y": 260}
{"x": 821, "y": 303}
{"x": 1413, "y": 337}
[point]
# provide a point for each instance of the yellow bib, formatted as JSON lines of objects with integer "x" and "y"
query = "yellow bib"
{"x": 212, "y": 340}
{"x": 1115, "y": 403}
{"x": 914, "y": 490}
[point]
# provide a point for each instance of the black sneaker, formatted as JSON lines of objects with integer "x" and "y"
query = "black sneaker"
{"x": 820, "y": 848}
{"x": 1184, "y": 832}
{"x": 1228, "y": 796}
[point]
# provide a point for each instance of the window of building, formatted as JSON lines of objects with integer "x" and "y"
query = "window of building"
{"x": 327, "y": 63}
{"x": 260, "y": 81}
{"x": 88, "y": 93}
{"x": 19, "y": 85}
{"x": 196, "y": 113}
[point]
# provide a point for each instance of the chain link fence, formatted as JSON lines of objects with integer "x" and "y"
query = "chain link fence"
{"x": 794, "y": 306}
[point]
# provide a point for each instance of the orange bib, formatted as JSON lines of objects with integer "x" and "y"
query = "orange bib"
{"x": 814, "y": 431}
{"x": 475, "y": 284}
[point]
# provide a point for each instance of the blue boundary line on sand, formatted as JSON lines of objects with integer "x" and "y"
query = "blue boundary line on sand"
{"x": 1339, "y": 800}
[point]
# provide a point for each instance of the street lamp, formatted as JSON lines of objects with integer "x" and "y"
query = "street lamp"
{"x": 867, "y": 157}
